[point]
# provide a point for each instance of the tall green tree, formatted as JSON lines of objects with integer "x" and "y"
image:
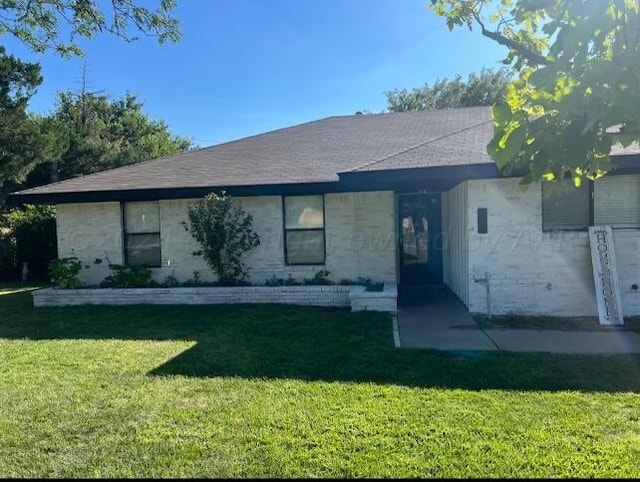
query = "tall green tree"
{"x": 578, "y": 86}
{"x": 19, "y": 132}
{"x": 89, "y": 133}
{"x": 56, "y": 24}
{"x": 484, "y": 88}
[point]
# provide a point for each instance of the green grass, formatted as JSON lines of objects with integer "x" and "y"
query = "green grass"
{"x": 282, "y": 391}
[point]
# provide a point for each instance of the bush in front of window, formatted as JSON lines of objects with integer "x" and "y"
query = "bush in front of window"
{"x": 129, "y": 277}
{"x": 225, "y": 233}
{"x": 65, "y": 272}
{"x": 171, "y": 282}
{"x": 320, "y": 278}
{"x": 195, "y": 281}
{"x": 289, "y": 281}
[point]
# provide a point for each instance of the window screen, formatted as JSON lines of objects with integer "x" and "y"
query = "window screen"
{"x": 565, "y": 207}
{"x": 304, "y": 229}
{"x": 617, "y": 201}
{"x": 142, "y": 234}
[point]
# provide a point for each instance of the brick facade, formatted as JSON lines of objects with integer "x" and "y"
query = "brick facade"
{"x": 359, "y": 230}
{"x": 532, "y": 272}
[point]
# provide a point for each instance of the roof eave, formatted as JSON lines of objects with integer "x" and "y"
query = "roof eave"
{"x": 154, "y": 194}
{"x": 439, "y": 177}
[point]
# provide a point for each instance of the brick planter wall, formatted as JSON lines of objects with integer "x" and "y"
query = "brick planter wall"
{"x": 338, "y": 296}
{"x": 386, "y": 300}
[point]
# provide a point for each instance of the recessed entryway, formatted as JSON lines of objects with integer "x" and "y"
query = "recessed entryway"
{"x": 420, "y": 238}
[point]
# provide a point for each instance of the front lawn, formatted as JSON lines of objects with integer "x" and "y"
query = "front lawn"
{"x": 284, "y": 391}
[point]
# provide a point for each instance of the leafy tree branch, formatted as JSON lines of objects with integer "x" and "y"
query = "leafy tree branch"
{"x": 42, "y": 24}
{"x": 577, "y": 91}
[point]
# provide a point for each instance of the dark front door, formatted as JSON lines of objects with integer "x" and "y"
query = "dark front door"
{"x": 420, "y": 219}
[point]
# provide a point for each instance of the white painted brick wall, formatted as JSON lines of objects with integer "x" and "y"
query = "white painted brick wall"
{"x": 360, "y": 230}
{"x": 386, "y": 300}
{"x": 90, "y": 231}
{"x": 455, "y": 248}
{"x": 307, "y": 295}
{"x": 336, "y": 296}
{"x": 533, "y": 272}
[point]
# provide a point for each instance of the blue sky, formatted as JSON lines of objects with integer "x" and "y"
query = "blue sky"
{"x": 249, "y": 66}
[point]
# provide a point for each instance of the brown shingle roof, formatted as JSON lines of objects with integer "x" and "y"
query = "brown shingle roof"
{"x": 315, "y": 152}
{"x": 306, "y": 153}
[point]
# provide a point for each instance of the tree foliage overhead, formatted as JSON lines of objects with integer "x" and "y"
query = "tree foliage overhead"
{"x": 578, "y": 88}
{"x": 484, "y": 88}
{"x": 56, "y": 24}
{"x": 19, "y": 132}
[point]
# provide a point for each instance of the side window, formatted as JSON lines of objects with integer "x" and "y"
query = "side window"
{"x": 565, "y": 207}
{"x": 142, "y": 234}
{"x": 304, "y": 235}
{"x": 617, "y": 201}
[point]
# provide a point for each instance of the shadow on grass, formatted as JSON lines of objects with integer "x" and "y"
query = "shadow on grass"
{"x": 281, "y": 342}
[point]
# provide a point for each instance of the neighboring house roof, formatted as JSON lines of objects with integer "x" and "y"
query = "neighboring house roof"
{"x": 315, "y": 152}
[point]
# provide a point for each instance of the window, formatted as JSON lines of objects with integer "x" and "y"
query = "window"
{"x": 304, "y": 241}
{"x": 613, "y": 200}
{"x": 565, "y": 207}
{"x": 617, "y": 201}
{"x": 142, "y": 234}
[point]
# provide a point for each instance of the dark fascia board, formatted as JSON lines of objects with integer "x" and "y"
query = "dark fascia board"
{"x": 390, "y": 177}
{"x": 172, "y": 193}
{"x": 446, "y": 177}
{"x": 399, "y": 180}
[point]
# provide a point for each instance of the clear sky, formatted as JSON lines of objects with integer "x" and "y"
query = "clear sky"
{"x": 249, "y": 66}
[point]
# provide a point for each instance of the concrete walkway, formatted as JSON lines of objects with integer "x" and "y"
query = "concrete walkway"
{"x": 443, "y": 323}
{"x": 614, "y": 342}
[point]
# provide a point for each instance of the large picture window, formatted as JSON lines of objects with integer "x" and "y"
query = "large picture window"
{"x": 142, "y": 234}
{"x": 304, "y": 241}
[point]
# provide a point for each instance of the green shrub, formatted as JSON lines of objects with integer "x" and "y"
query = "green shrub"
{"x": 129, "y": 277}
{"x": 27, "y": 235}
{"x": 320, "y": 278}
{"x": 65, "y": 272}
{"x": 34, "y": 229}
{"x": 373, "y": 286}
{"x": 195, "y": 281}
{"x": 290, "y": 281}
{"x": 225, "y": 233}
{"x": 171, "y": 282}
{"x": 273, "y": 281}
{"x": 8, "y": 262}
{"x": 366, "y": 282}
